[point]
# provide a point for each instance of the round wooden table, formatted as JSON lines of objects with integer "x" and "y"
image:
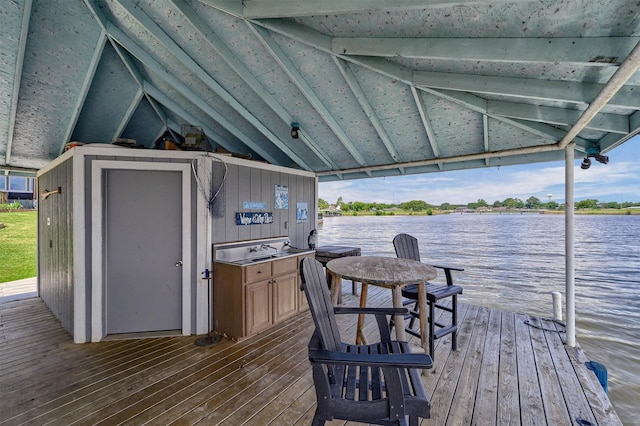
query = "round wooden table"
{"x": 388, "y": 272}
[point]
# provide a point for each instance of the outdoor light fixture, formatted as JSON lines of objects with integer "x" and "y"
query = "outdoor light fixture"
{"x": 602, "y": 159}
{"x": 593, "y": 152}
{"x": 295, "y": 128}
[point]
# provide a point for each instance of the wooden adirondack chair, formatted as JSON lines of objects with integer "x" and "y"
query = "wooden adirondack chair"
{"x": 407, "y": 248}
{"x": 377, "y": 383}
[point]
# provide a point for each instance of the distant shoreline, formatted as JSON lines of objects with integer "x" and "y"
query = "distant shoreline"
{"x": 614, "y": 212}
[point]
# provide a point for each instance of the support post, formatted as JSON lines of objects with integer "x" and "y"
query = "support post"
{"x": 557, "y": 305}
{"x": 569, "y": 246}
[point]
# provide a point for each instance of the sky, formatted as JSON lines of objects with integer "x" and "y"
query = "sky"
{"x": 617, "y": 181}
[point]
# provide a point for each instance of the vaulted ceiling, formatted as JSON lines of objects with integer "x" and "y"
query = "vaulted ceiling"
{"x": 378, "y": 87}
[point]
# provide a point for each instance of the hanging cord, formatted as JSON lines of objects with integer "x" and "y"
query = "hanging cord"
{"x": 547, "y": 329}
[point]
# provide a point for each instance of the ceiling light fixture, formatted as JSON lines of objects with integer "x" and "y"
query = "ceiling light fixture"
{"x": 586, "y": 163}
{"x": 295, "y": 128}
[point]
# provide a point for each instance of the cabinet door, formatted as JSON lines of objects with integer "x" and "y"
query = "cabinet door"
{"x": 285, "y": 297}
{"x": 258, "y": 311}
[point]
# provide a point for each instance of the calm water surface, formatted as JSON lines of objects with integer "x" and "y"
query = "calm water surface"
{"x": 515, "y": 261}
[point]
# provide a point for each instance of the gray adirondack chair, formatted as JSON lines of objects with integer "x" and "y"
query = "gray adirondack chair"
{"x": 376, "y": 383}
{"x": 407, "y": 248}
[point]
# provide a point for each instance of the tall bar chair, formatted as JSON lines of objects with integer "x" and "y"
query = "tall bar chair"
{"x": 406, "y": 247}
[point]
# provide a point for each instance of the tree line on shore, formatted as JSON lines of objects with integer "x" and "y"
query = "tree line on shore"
{"x": 508, "y": 203}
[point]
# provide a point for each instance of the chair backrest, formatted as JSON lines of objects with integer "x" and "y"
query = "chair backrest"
{"x": 406, "y": 247}
{"x": 314, "y": 284}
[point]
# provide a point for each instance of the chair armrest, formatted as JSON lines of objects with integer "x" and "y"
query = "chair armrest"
{"x": 447, "y": 272}
{"x": 372, "y": 311}
{"x": 451, "y": 268}
{"x": 373, "y": 360}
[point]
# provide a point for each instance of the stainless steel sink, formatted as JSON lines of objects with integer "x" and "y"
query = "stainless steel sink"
{"x": 255, "y": 259}
{"x": 260, "y": 259}
{"x": 255, "y": 251}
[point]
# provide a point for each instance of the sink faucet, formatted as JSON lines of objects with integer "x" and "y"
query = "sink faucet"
{"x": 267, "y": 247}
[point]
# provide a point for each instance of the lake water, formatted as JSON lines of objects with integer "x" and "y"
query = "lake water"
{"x": 515, "y": 261}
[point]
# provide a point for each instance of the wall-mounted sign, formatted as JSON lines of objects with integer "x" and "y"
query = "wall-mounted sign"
{"x": 254, "y": 218}
{"x": 282, "y": 197}
{"x": 302, "y": 213}
{"x": 254, "y": 205}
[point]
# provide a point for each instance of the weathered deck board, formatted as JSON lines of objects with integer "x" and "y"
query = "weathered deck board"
{"x": 504, "y": 371}
{"x": 577, "y": 405}
{"x": 549, "y": 383}
{"x": 446, "y": 371}
{"x": 531, "y": 405}
{"x": 508, "y": 395}
{"x": 466, "y": 387}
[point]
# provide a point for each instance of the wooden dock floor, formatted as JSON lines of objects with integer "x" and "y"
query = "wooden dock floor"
{"x": 508, "y": 369}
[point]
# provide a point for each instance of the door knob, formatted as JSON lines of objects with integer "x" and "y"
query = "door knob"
{"x": 179, "y": 263}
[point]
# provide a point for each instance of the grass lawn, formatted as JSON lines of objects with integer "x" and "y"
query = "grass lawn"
{"x": 18, "y": 247}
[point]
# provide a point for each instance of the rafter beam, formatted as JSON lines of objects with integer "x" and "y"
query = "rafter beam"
{"x": 185, "y": 91}
{"x": 86, "y": 85}
{"x": 604, "y": 122}
{"x": 366, "y": 106}
{"x": 594, "y": 51}
{"x": 102, "y": 21}
{"x": 154, "y": 30}
{"x": 232, "y": 7}
{"x": 527, "y": 88}
{"x": 177, "y": 109}
{"x": 426, "y": 122}
{"x": 296, "y": 77}
{"x": 485, "y": 136}
{"x": 214, "y": 41}
{"x": 297, "y": 32}
{"x": 133, "y": 105}
{"x": 135, "y": 74}
{"x": 394, "y": 71}
{"x": 24, "y": 31}
{"x": 447, "y": 160}
{"x": 613, "y": 140}
{"x": 478, "y": 104}
{"x": 607, "y": 92}
{"x": 289, "y": 8}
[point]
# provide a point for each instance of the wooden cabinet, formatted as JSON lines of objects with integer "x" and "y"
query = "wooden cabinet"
{"x": 270, "y": 293}
{"x": 250, "y": 299}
